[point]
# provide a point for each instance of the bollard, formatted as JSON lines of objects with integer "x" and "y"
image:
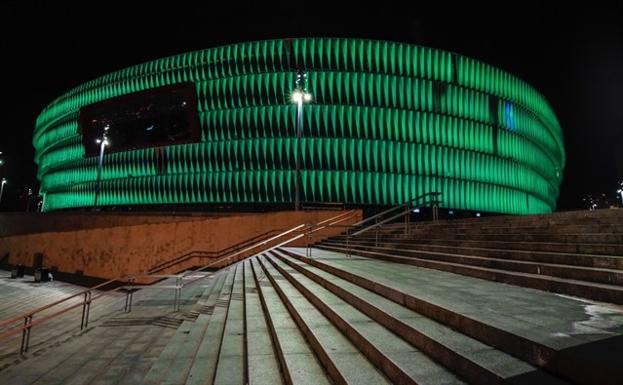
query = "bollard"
{"x": 178, "y": 293}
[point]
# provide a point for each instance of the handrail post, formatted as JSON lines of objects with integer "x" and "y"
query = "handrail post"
{"x": 435, "y": 211}
{"x": 86, "y": 307}
{"x": 177, "y": 282}
{"x": 129, "y": 295}
{"x": 178, "y": 293}
{"x": 26, "y": 334}
{"x": 86, "y": 323}
{"x": 348, "y": 242}
{"x": 376, "y": 232}
{"x": 309, "y": 238}
{"x": 407, "y": 213}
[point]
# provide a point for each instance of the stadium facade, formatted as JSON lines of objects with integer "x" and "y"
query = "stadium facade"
{"x": 386, "y": 122}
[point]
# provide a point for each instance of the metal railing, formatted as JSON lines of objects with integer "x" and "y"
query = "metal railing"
{"x": 302, "y": 229}
{"x": 376, "y": 221}
{"x": 208, "y": 254}
{"x": 30, "y": 322}
{"x": 13, "y": 325}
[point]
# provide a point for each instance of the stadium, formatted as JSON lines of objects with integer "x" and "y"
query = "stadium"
{"x": 325, "y": 121}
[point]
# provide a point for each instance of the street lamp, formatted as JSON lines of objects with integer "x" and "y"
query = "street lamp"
{"x": 2, "y": 188}
{"x": 28, "y": 199}
{"x": 103, "y": 142}
{"x": 299, "y": 96}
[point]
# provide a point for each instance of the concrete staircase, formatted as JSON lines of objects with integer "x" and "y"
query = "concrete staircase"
{"x": 482, "y": 331}
{"x": 578, "y": 253}
{"x": 281, "y": 317}
{"x": 393, "y": 311}
{"x": 279, "y": 325}
{"x": 284, "y": 318}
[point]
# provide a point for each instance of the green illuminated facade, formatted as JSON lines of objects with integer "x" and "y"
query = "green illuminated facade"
{"x": 388, "y": 121}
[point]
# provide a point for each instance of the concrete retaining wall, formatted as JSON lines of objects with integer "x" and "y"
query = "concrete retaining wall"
{"x": 115, "y": 250}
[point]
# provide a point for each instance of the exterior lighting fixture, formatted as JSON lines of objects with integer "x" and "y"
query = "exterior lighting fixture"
{"x": 2, "y": 188}
{"x": 299, "y": 96}
{"x": 103, "y": 142}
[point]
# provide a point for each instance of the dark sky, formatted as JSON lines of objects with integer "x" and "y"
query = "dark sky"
{"x": 573, "y": 55}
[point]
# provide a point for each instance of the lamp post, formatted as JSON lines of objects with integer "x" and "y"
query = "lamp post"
{"x": 2, "y": 188}
{"x": 103, "y": 142}
{"x": 28, "y": 199}
{"x": 299, "y": 96}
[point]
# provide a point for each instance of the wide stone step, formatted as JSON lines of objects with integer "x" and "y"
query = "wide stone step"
{"x": 590, "y": 238}
{"x": 559, "y": 218}
{"x": 297, "y": 359}
{"x": 344, "y": 363}
{"x": 584, "y": 289}
{"x": 590, "y": 274}
{"x": 575, "y": 259}
{"x": 231, "y": 368}
{"x": 176, "y": 359}
{"x": 537, "y": 237}
{"x": 396, "y": 358}
{"x": 548, "y": 229}
{"x": 577, "y": 248}
{"x": 205, "y": 360}
{"x": 510, "y": 228}
{"x": 262, "y": 361}
{"x": 542, "y": 226}
{"x": 589, "y": 260}
{"x": 467, "y": 357}
{"x": 538, "y": 327}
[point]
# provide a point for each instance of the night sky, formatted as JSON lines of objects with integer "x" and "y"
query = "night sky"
{"x": 572, "y": 55}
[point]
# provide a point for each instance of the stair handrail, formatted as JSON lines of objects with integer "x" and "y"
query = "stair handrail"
{"x": 302, "y": 229}
{"x": 352, "y": 230}
{"x": 101, "y": 285}
{"x": 220, "y": 253}
{"x": 29, "y": 323}
{"x": 391, "y": 209}
{"x": 215, "y": 254}
{"x": 120, "y": 279}
{"x": 406, "y": 204}
{"x": 407, "y": 208}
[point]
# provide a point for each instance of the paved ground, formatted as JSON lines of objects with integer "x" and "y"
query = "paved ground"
{"x": 116, "y": 348}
